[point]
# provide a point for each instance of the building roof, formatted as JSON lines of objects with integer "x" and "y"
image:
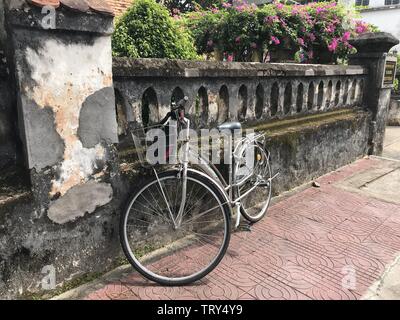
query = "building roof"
{"x": 99, "y": 6}
{"x": 119, "y": 6}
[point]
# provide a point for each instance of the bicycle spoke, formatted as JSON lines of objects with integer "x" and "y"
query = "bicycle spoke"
{"x": 161, "y": 192}
{"x": 155, "y": 201}
{"x": 149, "y": 214}
{"x": 199, "y": 215}
{"x": 159, "y": 214}
{"x": 194, "y": 205}
{"x": 169, "y": 203}
{"x": 170, "y": 252}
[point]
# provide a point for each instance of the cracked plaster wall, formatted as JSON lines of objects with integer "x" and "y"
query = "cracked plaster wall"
{"x": 62, "y": 78}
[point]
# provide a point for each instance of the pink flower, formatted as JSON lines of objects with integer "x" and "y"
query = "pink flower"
{"x": 330, "y": 29}
{"x": 227, "y": 5}
{"x": 346, "y": 36}
{"x": 312, "y": 37}
{"x": 270, "y": 19}
{"x": 210, "y": 43}
{"x": 237, "y": 39}
{"x": 320, "y": 10}
{"x": 275, "y": 40}
{"x": 333, "y": 45}
{"x": 300, "y": 41}
{"x": 310, "y": 54}
{"x": 240, "y": 8}
{"x": 279, "y": 5}
{"x": 230, "y": 58}
{"x": 214, "y": 10}
{"x": 253, "y": 45}
{"x": 361, "y": 27}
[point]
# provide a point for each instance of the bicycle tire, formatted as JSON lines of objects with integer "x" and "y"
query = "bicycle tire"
{"x": 226, "y": 212}
{"x": 246, "y": 210}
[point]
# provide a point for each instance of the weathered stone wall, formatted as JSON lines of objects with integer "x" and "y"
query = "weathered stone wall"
{"x": 66, "y": 109}
{"x": 394, "y": 111}
{"x": 7, "y": 117}
{"x": 372, "y": 52}
{"x": 61, "y": 81}
{"x": 219, "y": 91}
{"x": 312, "y": 113}
{"x": 306, "y": 148}
{"x": 8, "y": 139}
{"x": 64, "y": 217}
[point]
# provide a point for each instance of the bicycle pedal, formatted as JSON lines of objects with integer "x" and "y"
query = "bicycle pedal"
{"x": 244, "y": 227}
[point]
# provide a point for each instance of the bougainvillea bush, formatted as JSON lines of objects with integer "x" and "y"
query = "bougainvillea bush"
{"x": 311, "y": 31}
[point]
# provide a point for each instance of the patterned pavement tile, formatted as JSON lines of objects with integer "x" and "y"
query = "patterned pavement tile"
{"x": 321, "y": 243}
{"x": 271, "y": 289}
{"x": 215, "y": 287}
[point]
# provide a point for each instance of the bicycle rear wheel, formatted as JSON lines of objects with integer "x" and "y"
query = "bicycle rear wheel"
{"x": 164, "y": 252}
{"x": 253, "y": 173}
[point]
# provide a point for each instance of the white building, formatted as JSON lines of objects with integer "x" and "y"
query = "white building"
{"x": 385, "y": 14}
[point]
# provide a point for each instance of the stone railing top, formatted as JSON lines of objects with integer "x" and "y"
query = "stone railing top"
{"x": 127, "y": 67}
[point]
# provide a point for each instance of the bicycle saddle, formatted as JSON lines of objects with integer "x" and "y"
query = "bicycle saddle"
{"x": 230, "y": 126}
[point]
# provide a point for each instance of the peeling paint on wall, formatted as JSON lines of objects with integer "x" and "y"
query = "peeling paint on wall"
{"x": 97, "y": 118}
{"x": 64, "y": 86}
{"x": 78, "y": 167}
{"x": 44, "y": 139}
{"x": 75, "y": 202}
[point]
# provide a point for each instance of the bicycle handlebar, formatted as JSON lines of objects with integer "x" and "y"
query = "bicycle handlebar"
{"x": 181, "y": 104}
{"x": 175, "y": 107}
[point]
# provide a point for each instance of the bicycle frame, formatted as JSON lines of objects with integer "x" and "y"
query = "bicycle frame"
{"x": 211, "y": 170}
{"x": 207, "y": 167}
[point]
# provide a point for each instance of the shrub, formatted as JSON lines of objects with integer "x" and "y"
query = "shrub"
{"x": 147, "y": 31}
{"x": 309, "y": 29}
{"x": 239, "y": 32}
{"x": 232, "y": 30}
{"x": 179, "y": 6}
{"x": 332, "y": 25}
{"x": 204, "y": 27}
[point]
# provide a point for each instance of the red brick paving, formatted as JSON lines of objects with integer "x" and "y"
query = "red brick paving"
{"x": 297, "y": 252}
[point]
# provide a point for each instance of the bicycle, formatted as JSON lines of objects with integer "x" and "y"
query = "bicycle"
{"x": 176, "y": 227}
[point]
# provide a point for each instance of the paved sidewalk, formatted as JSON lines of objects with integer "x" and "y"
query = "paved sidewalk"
{"x": 330, "y": 242}
{"x": 392, "y": 143}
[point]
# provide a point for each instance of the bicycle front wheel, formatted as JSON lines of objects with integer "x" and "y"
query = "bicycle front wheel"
{"x": 169, "y": 250}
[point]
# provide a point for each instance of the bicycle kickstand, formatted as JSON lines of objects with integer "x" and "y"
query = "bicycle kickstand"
{"x": 238, "y": 215}
{"x": 240, "y": 226}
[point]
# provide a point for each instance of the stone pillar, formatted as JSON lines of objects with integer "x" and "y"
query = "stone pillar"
{"x": 372, "y": 52}
{"x": 66, "y": 105}
{"x": 8, "y": 143}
